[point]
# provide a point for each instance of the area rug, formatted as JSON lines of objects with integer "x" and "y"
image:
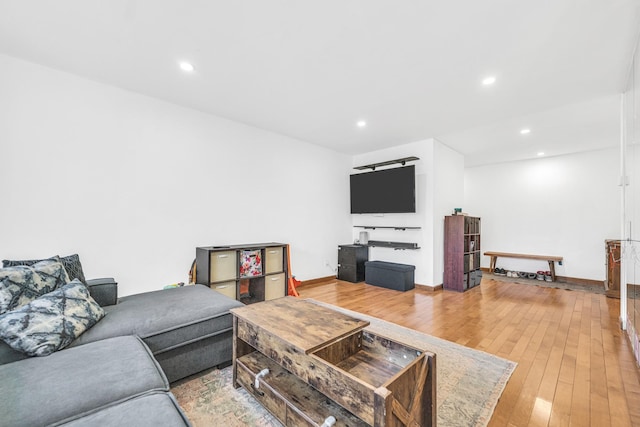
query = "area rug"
{"x": 469, "y": 384}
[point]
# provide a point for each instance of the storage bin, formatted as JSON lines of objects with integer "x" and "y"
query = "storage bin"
{"x": 223, "y": 266}
{"x": 250, "y": 263}
{"x": 226, "y": 288}
{"x": 273, "y": 260}
{"x": 274, "y": 286}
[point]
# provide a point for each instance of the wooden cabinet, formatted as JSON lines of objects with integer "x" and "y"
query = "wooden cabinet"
{"x": 351, "y": 259}
{"x": 461, "y": 252}
{"x": 612, "y": 284}
{"x": 249, "y": 273}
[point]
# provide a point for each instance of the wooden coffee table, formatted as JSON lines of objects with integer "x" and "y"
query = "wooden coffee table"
{"x": 322, "y": 363}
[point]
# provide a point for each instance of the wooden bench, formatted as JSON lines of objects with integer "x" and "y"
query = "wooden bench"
{"x": 549, "y": 258}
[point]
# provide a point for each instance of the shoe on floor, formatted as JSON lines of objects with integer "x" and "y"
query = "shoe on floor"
{"x": 547, "y": 276}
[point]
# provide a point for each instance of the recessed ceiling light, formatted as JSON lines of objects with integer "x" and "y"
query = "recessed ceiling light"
{"x": 541, "y": 153}
{"x": 489, "y": 80}
{"x": 186, "y": 66}
{"x": 361, "y": 123}
{"x": 525, "y": 131}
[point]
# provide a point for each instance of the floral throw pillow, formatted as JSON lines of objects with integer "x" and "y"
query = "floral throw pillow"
{"x": 71, "y": 264}
{"x": 52, "y": 321}
{"x": 22, "y": 284}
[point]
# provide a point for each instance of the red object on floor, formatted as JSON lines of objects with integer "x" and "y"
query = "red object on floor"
{"x": 293, "y": 282}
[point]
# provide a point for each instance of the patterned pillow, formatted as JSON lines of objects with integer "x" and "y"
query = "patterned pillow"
{"x": 12, "y": 263}
{"x": 22, "y": 284}
{"x": 71, "y": 264}
{"x": 52, "y": 321}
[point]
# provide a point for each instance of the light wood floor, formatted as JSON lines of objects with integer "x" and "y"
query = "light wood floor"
{"x": 575, "y": 365}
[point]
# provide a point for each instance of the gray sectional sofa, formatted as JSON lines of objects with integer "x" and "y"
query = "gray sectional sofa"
{"x": 118, "y": 372}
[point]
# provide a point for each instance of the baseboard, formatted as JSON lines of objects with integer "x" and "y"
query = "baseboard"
{"x": 318, "y": 280}
{"x": 633, "y": 291}
{"x": 586, "y": 283}
{"x": 580, "y": 282}
{"x": 429, "y": 288}
{"x": 324, "y": 280}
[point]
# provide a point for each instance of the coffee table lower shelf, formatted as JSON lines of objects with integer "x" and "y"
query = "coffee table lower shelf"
{"x": 292, "y": 401}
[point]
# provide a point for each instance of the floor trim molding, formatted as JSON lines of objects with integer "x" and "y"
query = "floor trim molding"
{"x": 429, "y": 288}
{"x": 318, "y": 280}
{"x": 586, "y": 283}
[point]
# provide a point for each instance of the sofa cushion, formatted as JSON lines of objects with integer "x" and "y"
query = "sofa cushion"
{"x": 166, "y": 319}
{"x": 8, "y": 355}
{"x": 71, "y": 264}
{"x": 150, "y": 410}
{"x": 52, "y": 321}
{"x": 14, "y": 262}
{"x": 19, "y": 285}
{"x": 103, "y": 290}
{"x": 77, "y": 381}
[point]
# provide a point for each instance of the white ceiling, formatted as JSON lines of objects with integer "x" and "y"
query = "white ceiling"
{"x": 311, "y": 69}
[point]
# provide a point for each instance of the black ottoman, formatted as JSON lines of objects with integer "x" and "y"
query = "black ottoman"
{"x": 391, "y": 275}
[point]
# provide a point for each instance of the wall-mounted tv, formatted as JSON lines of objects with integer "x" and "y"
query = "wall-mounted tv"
{"x": 384, "y": 191}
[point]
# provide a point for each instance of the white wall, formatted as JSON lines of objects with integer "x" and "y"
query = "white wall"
{"x": 630, "y": 230}
{"x": 566, "y": 206}
{"x": 134, "y": 184}
{"x": 448, "y": 189}
{"x": 439, "y": 186}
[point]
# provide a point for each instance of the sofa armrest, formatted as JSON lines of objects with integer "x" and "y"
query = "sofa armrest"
{"x": 104, "y": 290}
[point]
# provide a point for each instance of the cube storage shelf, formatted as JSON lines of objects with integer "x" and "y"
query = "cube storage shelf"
{"x": 248, "y": 273}
{"x": 461, "y": 253}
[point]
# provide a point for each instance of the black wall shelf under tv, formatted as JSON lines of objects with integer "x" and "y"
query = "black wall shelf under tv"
{"x": 395, "y": 245}
{"x": 392, "y": 227}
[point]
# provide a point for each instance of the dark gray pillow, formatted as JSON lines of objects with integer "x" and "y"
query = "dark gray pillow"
{"x": 51, "y": 322}
{"x": 22, "y": 284}
{"x": 71, "y": 264}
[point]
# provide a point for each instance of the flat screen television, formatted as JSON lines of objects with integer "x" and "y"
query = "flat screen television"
{"x": 384, "y": 191}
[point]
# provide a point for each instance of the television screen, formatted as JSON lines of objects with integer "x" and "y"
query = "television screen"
{"x": 384, "y": 191}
